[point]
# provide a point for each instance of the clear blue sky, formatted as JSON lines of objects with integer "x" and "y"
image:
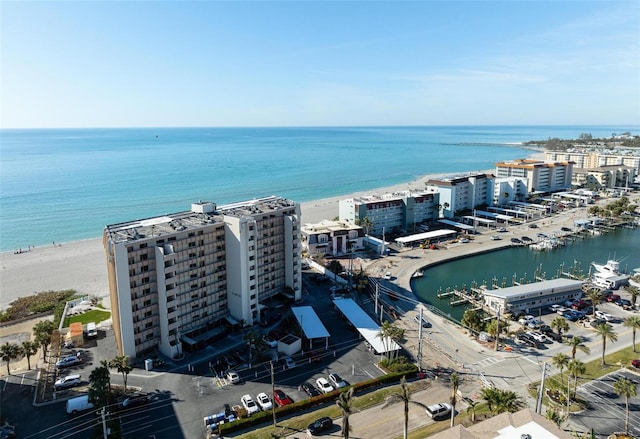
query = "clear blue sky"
{"x": 304, "y": 63}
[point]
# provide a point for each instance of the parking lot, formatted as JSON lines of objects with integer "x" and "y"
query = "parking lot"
{"x": 607, "y": 410}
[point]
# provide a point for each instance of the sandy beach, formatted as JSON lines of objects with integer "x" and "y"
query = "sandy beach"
{"x": 81, "y": 265}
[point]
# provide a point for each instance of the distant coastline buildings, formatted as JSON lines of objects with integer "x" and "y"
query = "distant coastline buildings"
{"x": 541, "y": 176}
{"x": 177, "y": 281}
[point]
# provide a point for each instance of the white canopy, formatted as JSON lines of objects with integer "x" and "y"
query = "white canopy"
{"x": 365, "y": 325}
{"x": 309, "y": 322}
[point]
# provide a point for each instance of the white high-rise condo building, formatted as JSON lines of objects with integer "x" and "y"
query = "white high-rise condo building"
{"x": 541, "y": 176}
{"x": 462, "y": 193}
{"x": 177, "y": 281}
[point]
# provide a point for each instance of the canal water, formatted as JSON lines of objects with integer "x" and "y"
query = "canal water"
{"x": 524, "y": 263}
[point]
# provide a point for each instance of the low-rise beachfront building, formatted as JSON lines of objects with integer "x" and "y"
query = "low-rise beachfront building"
{"x": 541, "y": 176}
{"x": 462, "y": 193}
{"x": 604, "y": 177}
{"x": 527, "y": 297}
{"x": 176, "y": 281}
{"x": 334, "y": 238}
{"x": 391, "y": 212}
{"x": 506, "y": 189}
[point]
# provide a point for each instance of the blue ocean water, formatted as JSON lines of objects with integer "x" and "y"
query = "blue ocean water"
{"x": 66, "y": 184}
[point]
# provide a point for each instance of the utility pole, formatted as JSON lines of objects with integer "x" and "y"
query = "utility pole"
{"x": 273, "y": 388}
{"x": 497, "y": 330}
{"x": 541, "y": 390}
{"x": 420, "y": 342}
{"x": 104, "y": 423}
{"x": 375, "y": 306}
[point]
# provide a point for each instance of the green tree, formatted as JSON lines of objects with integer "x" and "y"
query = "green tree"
{"x": 28, "y": 349}
{"x": 455, "y": 383}
{"x": 367, "y": 224}
{"x": 471, "y": 409}
{"x": 121, "y": 364}
{"x": 596, "y": 297}
{"x": 560, "y": 361}
{"x": 100, "y": 385}
{"x": 576, "y": 343}
{"x": 8, "y": 352}
{"x": 632, "y": 322}
{"x": 500, "y": 401}
{"x": 344, "y": 402}
{"x": 335, "y": 266}
{"x": 560, "y": 325}
{"x": 576, "y": 368}
{"x": 389, "y": 333}
{"x": 634, "y": 292}
{"x": 42, "y": 332}
{"x": 473, "y": 320}
{"x": 404, "y": 396}
{"x": 606, "y": 331}
{"x": 554, "y": 416}
{"x": 627, "y": 388}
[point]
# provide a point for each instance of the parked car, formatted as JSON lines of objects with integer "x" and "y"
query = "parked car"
{"x": 323, "y": 385}
{"x": 526, "y": 239}
{"x": 424, "y": 322}
{"x": 68, "y": 361}
{"x": 624, "y": 303}
{"x": 264, "y": 401}
{"x": 131, "y": 401}
{"x": 533, "y": 226}
{"x": 554, "y": 308}
{"x": 613, "y": 298}
{"x": 565, "y": 229}
{"x": 561, "y": 310}
{"x": 596, "y": 322}
{"x": 67, "y": 382}
{"x": 387, "y": 275}
{"x": 516, "y": 241}
{"x": 635, "y": 363}
{"x": 309, "y": 389}
{"x": 281, "y": 398}
{"x": 337, "y": 381}
{"x": 233, "y": 376}
{"x": 495, "y": 237}
{"x": 288, "y": 363}
{"x": 526, "y": 319}
{"x": 270, "y": 341}
{"x": 605, "y": 316}
{"x": 249, "y": 404}
{"x": 439, "y": 411}
{"x": 538, "y": 336}
{"x": 319, "y": 426}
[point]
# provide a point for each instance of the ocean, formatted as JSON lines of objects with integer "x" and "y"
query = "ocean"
{"x": 62, "y": 185}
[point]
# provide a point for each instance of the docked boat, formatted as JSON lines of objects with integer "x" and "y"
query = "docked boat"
{"x": 418, "y": 274}
{"x": 611, "y": 267}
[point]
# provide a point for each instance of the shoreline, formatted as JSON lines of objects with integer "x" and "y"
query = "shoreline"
{"x": 80, "y": 265}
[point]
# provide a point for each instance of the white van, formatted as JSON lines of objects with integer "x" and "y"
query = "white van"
{"x": 92, "y": 331}
{"x": 79, "y": 404}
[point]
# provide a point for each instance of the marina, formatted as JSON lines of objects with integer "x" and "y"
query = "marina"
{"x": 444, "y": 286}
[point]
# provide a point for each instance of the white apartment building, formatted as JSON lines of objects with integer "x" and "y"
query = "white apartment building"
{"x": 604, "y": 177}
{"x": 389, "y": 212}
{"x": 463, "y": 192}
{"x": 591, "y": 160}
{"x": 333, "y": 238}
{"x": 541, "y": 176}
{"x": 508, "y": 189}
{"x": 176, "y": 280}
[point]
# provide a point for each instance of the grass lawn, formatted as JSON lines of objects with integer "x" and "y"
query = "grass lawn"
{"x": 94, "y": 315}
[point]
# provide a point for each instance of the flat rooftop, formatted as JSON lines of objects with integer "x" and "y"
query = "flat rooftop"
{"x": 256, "y": 206}
{"x": 391, "y": 196}
{"x": 547, "y": 285}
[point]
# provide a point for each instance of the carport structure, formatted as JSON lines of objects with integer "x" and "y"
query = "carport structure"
{"x": 426, "y": 236}
{"x": 365, "y": 325}
{"x": 310, "y": 324}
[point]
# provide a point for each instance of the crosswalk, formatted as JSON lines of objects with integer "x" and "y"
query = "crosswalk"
{"x": 490, "y": 361}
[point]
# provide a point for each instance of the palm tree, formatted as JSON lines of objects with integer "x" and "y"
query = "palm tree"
{"x": 560, "y": 324}
{"x": 576, "y": 343}
{"x": 42, "y": 332}
{"x": 344, "y": 401}
{"x": 28, "y": 349}
{"x": 625, "y": 387}
{"x": 100, "y": 385}
{"x": 8, "y": 352}
{"x": 389, "y": 333}
{"x": 366, "y": 223}
{"x": 596, "y": 297}
{"x": 455, "y": 383}
{"x": 634, "y": 292}
{"x": 500, "y": 401}
{"x": 576, "y": 368}
{"x": 632, "y": 322}
{"x": 404, "y": 396}
{"x": 121, "y": 363}
{"x": 560, "y": 361}
{"x": 445, "y": 206}
{"x": 472, "y": 409}
{"x": 606, "y": 332}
